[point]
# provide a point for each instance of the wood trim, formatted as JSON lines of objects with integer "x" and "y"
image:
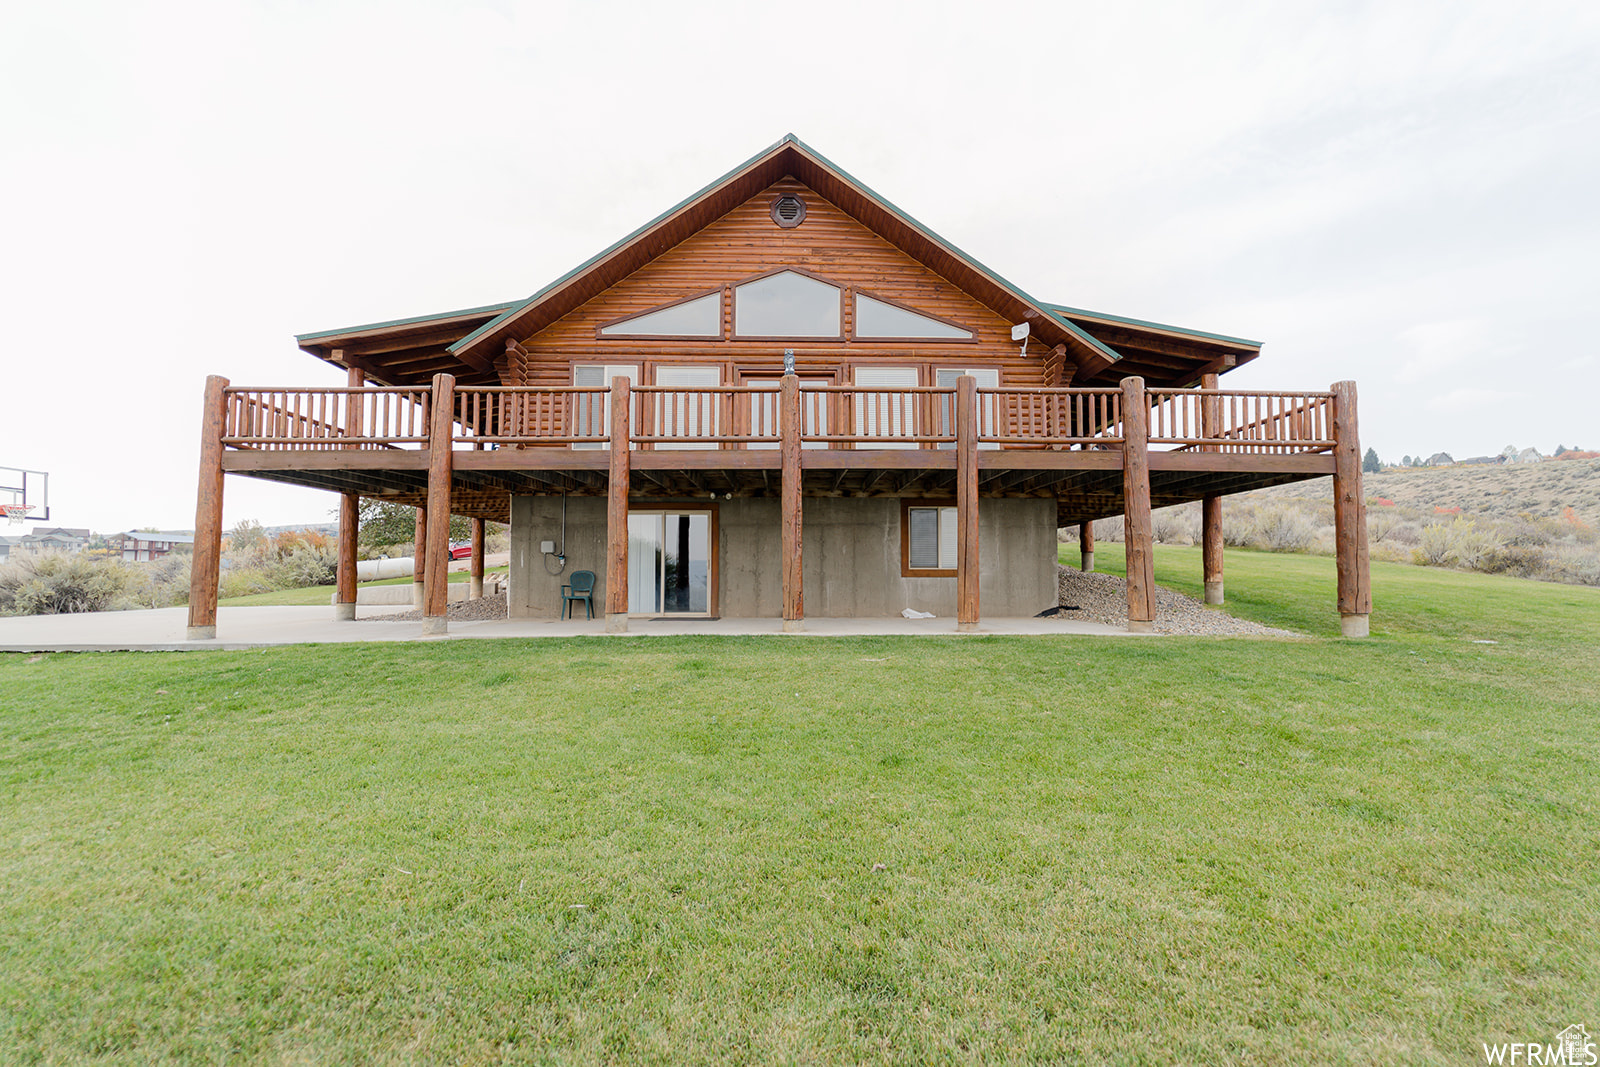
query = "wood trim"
{"x": 906, "y": 504}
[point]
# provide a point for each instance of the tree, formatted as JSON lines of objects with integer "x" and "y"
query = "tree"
{"x": 1370, "y": 464}
{"x": 1405, "y": 461}
{"x": 384, "y": 523}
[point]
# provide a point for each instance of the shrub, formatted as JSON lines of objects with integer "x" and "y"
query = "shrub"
{"x": 64, "y": 584}
{"x": 305, "y": 564}
{"x": 243, "y": 581}
{"x": 1283, "y": 530}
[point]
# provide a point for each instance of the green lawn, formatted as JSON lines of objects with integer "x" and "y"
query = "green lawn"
{"x": 770, "y": 850}
{"x": 323, "y": 594}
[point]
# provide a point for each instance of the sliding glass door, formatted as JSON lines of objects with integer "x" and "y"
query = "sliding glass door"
{"x": 669, "y": 562}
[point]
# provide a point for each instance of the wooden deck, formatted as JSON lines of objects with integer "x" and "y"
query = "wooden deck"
{"x": 1098, "y": 452}
{"x": 1061, "y": 443}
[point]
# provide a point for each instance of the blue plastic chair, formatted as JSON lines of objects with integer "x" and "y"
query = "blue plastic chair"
{"x": 581, "y": 588}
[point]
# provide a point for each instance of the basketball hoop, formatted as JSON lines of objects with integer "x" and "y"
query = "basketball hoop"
{"x": 16, "y": 513}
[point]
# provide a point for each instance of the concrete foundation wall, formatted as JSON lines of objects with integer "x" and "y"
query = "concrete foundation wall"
{"x": 851, "y": 557}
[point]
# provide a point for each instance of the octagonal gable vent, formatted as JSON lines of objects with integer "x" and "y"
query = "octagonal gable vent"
{"x": 788, "y": 211}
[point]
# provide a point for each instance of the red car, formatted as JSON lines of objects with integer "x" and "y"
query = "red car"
{"x": 460, "y": 549}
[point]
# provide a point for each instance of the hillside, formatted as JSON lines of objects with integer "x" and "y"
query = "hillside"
{"x": 1542, "y": 490}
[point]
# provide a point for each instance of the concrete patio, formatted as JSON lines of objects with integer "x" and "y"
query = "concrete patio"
{"x": 258, "y": 627}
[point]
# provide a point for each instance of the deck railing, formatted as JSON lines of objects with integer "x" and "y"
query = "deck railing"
{"x": 511, "y": 415}
{"x": 747, "y": 417}
{"x": 1222, "y": 420}
{"x": 330, "y": 418}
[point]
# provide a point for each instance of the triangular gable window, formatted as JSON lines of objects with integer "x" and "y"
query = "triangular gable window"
{"x": 698, "y": 317}
{"x": 787, "y": 303}
{"x": 879, "y": 319}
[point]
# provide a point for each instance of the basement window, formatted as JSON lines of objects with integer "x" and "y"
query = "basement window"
{"x": 927, "y": 541}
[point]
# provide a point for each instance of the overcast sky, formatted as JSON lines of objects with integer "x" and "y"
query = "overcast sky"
{"x": 1399, "y": 193}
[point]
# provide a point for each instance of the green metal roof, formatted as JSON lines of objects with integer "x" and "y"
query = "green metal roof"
{"x": 1061, "y": 310}
{"x": 302, "y": 338}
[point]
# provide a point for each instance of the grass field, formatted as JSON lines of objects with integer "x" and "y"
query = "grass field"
{"x": 821, "y": 850}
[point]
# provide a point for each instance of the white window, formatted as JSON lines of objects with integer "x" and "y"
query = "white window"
{"x": 875, "y": 318}
{"x": 700, "y": 317}
{"x": 931, "y": 539}
{"x": 591, "y": 413}
{"x": 988, "y": 378}
{"x": 690, "y": 413}
{"x": 883, "y": 412}
{"x": 786, "y": 304}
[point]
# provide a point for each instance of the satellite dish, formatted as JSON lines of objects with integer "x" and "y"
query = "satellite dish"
{"x": 1020, "y": 331}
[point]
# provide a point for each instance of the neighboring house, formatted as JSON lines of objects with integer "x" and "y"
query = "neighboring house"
{"x": 59, "y": 539}
{"x": 1440, "y": 459}
{"x": 138, "y": 546}
{"x": 796, "y": 353}
{"x": 40, "y": 542}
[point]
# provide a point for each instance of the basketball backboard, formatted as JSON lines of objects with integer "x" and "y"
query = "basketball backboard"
{"x": 21, "y": 488}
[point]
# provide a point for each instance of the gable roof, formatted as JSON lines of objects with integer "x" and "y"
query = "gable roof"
{"x": 407, "y": 351}
{"x": 790, "y": 157}
{"x": 1100, "y": 348}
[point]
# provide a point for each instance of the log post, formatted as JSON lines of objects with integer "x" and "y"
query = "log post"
{"x": 967, "y": 504}
{"x": 344, "y": 600}
{"x": 1350, "y": 516}
{"x": 1086, "y": 546}
{"x": 1211, "y": 506}
{"x": 1136, "y": 536}
{"x": 436, "y": 572}
{"x": 617, "y": 509}
{"x": 206, "y": 568}
{"x": 419, "y": 553}
{"x": 476, "y": 592}
{"x": 794, "y": 608}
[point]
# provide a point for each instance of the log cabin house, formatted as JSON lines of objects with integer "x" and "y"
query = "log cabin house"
{"x": 782, "y": 395}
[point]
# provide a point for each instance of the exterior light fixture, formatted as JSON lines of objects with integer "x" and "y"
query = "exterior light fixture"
{"x": 1020, "y": 332}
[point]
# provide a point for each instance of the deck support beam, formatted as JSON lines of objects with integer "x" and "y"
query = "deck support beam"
{"x": 206, "y": 568}
{"x": 476, "y": 591}
{"x": 344, "y": 600}
{"x": 436, "y": 579}
{"x": 1136, "y": 535}
{"x": 617, "y": 511}
{"x": 419, "y": 553}
{"x": 1350, "y": 516}
{"x": 1086, "y": 546}
{"x": 967, "y": 503}
{"x": 794, "y": 607}
{"x": 1211, "y": 506}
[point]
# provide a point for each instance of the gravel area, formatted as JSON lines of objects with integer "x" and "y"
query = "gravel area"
{"x": 484, "y": 609}
{"x": 1103, "y": 598}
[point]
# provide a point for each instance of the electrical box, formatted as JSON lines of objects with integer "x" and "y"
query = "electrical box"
{"x": 547, "y": 547}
